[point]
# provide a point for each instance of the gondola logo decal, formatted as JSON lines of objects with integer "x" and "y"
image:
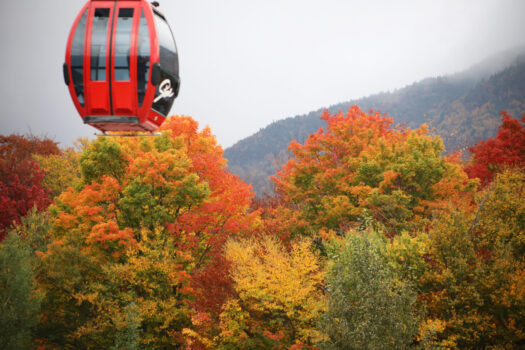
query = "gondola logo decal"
{"x": 165, "y": 89}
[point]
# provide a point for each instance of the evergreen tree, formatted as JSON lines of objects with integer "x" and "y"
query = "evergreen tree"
{"x": 129, "y": 337}
{"x": 19, "y": 302}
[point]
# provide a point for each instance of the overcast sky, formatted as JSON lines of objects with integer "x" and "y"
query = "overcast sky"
{"x": 246, "y": 63}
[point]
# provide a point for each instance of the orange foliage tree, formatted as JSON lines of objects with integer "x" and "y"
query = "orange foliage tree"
{"x": 150, "y": 214}
{"x": 506, "y": 149}
{"x": 361, "y": 166}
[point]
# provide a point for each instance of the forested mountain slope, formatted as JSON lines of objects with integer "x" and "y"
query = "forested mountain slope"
{"x": 463, "y": 108}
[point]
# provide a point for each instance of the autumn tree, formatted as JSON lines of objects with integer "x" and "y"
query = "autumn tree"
{"x": 132, "y": 190}
{"x": 506, "y": 149}
{"x": 146, "y": 216}
{"x": 62, "y": 170}
{"x": 143, "y": 299}
{"x": 277, "y": 298}
{"x": 362, "y": 164}
{"x": 25, "y": 147}
{"x": 224, "y": 214}
{"x": 475, "y": 287}
{"x": 34, "y": 228}
{"x": 369, "y": 305}
{"x": 21, "y": 178}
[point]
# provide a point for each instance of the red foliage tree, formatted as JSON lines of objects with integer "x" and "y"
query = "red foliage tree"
{"x": 506, "y": 149}
{"x": 21, "y": 178}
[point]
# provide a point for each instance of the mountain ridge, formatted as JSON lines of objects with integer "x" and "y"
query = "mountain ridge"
{"x": 462, "y": 108}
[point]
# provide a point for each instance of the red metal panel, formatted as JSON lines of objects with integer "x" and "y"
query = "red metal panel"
{"x": 124, "y": 92}
{"x": 152, "y": 119}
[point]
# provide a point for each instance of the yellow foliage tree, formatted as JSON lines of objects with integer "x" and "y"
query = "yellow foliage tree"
{"x": 152, "y": 279}
{"x": 278, "y": 296}
{"x": 476, "y": 286}
{"x": 62, "y": 170}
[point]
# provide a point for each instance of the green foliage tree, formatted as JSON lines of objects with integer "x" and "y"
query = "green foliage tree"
{"x": 104, "y": 157}
{"x": 19, "y": 300}
{"x": 128, "y": 338}
{"x": 369, "y": 306}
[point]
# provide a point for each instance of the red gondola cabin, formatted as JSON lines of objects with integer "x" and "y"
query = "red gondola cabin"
{"x": 122, "y": 66}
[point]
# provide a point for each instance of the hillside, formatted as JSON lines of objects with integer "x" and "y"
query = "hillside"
{"x": 463, "y": 108}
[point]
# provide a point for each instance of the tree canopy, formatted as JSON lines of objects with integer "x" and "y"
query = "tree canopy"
{"x": 374, "y": 239}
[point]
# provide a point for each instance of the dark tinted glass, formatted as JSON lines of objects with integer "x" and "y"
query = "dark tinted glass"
{"x": 99, "y": 36}
{"x": 123, "y": 44}
{"x": 169, "y": 59}
{"x": 77, "y": 58}
{"x": 143, "y": 58}
{"x": 164, "y": 94}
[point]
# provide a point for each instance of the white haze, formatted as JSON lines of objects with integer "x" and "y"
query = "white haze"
{"x": 246, "y": 63}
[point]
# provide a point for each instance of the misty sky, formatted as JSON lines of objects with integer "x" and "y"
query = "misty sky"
{"x": 246, "y": 63}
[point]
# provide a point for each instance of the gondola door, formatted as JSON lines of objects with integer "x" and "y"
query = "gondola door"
{"x": 124, "y": 59}
{"x": 98, "y": 44}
